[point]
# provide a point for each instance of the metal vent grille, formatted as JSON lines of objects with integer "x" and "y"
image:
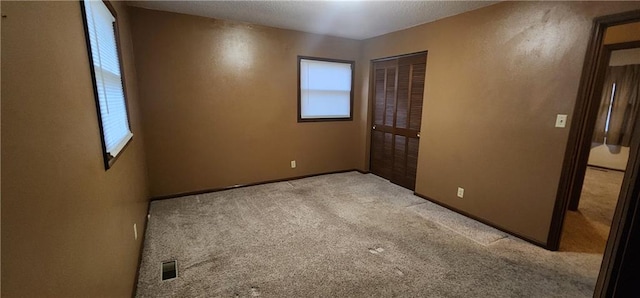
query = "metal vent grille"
{"x": 169, "y": 270}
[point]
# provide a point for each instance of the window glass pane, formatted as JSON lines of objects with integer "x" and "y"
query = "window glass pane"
{"x": 320, "y": 75}
{"x": 325, "y": 89}
{"x": 325, "y": 104}
{"x": 106, "y": 66}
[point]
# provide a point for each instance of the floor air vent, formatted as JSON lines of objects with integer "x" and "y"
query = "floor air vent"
{"x": 169, "y": 270}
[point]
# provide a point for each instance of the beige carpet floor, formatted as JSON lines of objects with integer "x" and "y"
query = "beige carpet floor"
{"x": 344, "y": 235}
{"x": 587, "y": 229}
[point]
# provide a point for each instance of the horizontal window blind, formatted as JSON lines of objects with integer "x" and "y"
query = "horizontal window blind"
{"x": 106, "y": 65}
{"x": 325, "y": 89}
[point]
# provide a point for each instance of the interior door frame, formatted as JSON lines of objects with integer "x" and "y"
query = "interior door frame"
{"x": 620, "y": 254}
{"x": 583, "y": 122}
{"x": 577, "y": 153}
{"x": 372, "y": 95}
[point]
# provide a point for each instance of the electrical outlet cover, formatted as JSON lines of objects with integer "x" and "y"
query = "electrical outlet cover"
{"x": 561, "y": 120}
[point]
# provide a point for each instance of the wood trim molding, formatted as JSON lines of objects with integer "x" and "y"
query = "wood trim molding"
{"x": 618, "y": 272}
{"x": 217, "y": 189}
{"x": 351, "y": 95}
{"x": 400, "y": 56}
{"x": 615, "y": 278}
{"x": 482, "y": 220}
{"x": 605, "y": 168}
{"x": 583, "y": 122}
{"x": 108, "y": 160}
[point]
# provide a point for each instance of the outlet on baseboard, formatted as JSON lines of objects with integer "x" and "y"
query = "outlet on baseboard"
{"x": 135, "y": 231}
{"x": 460, "y": 192}
{"x": 293, "y": 164}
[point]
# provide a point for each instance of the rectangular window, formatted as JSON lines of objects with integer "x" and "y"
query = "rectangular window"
{"x": 325, "y": 89}
{"x": 104, "y": 55}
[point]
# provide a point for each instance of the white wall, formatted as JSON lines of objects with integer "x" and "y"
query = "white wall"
{"x": 611, "y": 157}
{"x": 625, "y": 57}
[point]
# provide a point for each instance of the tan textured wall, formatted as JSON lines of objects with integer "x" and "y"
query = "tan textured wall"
{"x": 219, "y": 103}
{"x": 622, "y": 33}
{"x": 496, "y": 78}
{"x": 67, "y": 225}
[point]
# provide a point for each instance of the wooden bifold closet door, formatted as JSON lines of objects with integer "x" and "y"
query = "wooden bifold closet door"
{"x": 398, "y": 86}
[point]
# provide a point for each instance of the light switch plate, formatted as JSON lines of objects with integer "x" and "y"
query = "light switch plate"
{"x": 460, "y": 192}
{"x": 561, "y": 120}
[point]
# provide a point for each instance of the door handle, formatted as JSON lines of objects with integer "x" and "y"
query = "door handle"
{"x": 418, "y": 135}
{"x": 374, "y": 127}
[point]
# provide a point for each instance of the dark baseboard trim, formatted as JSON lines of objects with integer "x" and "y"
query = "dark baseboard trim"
{"x": 199, "y": 192}
{"x": 605, "y": 168}
{"x": 144, "y": 233}
{"x": 486, "y": 222}
{"x": 361, "y": 171}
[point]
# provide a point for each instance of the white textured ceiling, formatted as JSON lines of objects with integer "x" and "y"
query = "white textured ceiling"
{"x": 350, "y": 19}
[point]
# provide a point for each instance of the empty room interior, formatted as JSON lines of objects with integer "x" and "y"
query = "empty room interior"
{"x": 319, "y": 148}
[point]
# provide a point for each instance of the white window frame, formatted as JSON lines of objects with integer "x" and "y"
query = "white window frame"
{"x": 110, "y": 97}
{"x": 303, "y": 91}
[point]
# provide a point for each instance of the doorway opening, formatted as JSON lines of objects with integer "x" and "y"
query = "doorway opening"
{"x": 616, "y": 272}
{"x": 586, "y": 227}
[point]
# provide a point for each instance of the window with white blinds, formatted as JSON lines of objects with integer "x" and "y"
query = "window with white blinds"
{"x": 325, "y": 89}
{"x": 100, "y": 28}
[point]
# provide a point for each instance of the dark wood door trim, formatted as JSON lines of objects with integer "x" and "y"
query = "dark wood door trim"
{"x": 583, "y": 122}
{"x": 612, "y": 276}
{"x": 398, "y": 57}
{"x": 618, "y": 271}
{"x": 578, "y": 179}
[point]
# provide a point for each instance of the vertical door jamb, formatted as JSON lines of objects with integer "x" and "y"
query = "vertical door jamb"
{"x": 582, "y": 125}
{"x": 612, "y": 278}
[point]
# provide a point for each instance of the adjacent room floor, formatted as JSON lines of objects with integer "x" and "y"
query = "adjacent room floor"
{"x": 587, "y": 229}
{"x": 345, "y": 235}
